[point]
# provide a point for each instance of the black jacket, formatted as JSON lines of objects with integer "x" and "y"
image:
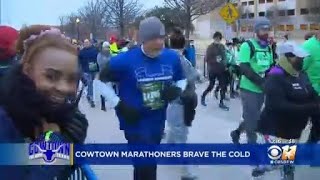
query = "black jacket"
{"x": 289, "y": 103}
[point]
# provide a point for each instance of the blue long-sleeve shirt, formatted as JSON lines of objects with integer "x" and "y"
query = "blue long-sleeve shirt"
{"x": 140, "y": 81}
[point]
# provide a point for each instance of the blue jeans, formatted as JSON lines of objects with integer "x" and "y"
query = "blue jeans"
{"x": 89, "y": 77}
{"x": 143, "y": 172}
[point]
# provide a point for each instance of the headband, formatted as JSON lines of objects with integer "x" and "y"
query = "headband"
{"x": 32, "y": 38}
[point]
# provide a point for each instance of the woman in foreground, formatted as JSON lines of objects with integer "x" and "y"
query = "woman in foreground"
{"x": 38, "y": 96}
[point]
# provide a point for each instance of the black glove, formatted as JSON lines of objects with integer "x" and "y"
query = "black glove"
{"x": 130, "y": 114}
{"x": 75, "y": 130}
{"x": 170, "y": 93}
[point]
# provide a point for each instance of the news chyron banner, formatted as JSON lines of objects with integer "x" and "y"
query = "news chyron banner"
{"x": 50, "y": 153}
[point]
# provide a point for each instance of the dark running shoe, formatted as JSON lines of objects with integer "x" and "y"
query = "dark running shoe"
{"x": 258, "y": 172}
{"x": 223, "y": 107}
{"x": 235, "y": 136}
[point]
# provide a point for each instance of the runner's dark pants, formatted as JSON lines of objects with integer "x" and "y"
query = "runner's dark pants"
{"x": 143, "y": 172}
{"x": 314, "y": 136}
{"x": 223, "y": 82}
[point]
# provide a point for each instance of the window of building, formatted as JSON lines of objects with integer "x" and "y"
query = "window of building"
{"x": 251, "y": 2}
{"x": 243, "y": 29}
{"x": 269, "y": 14}
{"x": 234, "y": 27}
{"x": 251, "y": 15}
{"x": 304, "y": 27}
{"x": 250, "y": 28}
{"x": 314, "y": 10}
{"x": 291, "y": 12}
{"x": 244, "y": 16}
{"x": 261, "y": 14}
{"x": 304, "y": 11}
{"x": 244, "y": 3}
{"x": 262, "y": 1}
{"x": 314, "y": 27}
{"x": 290, "y": 27}
{"x": 282, "y": 13}
{"x": 281, "y": 27}
{"x": 269, "y": 1}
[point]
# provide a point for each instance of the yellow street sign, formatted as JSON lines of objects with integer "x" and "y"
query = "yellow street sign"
{"x": 229, "y": 13}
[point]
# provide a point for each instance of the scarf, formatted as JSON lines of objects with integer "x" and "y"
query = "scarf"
{"x": 287, "y": 66}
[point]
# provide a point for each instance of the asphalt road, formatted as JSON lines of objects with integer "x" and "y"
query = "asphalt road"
{"x": 211, "y": 126}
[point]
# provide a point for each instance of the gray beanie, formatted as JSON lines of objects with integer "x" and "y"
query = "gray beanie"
{"x": 151, "y": 28}
{"x": 261, "y": 23}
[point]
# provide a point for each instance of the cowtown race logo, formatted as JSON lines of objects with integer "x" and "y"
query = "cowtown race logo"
{"x": 48, "y": 149}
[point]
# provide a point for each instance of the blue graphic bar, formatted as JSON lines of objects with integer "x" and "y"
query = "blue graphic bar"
{"x": 197, "y": 154}
{"x": 164, "y": 154}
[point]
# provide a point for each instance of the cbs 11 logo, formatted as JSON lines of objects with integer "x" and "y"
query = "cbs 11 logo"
{"x": 282, "y": 155}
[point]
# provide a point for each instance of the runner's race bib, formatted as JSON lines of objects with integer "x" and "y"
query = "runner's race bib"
{"x": 263, "y": 59}
{"x": 219, "y": 59}
{"x": 151, "y": 93}
{"x": 93, "y": 67}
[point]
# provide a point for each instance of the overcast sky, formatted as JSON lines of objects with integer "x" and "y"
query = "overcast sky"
{"x": 19, "y": 12}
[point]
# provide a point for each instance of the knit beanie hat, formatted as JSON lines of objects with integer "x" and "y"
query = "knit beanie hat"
{"x": 262, "y": 23}
{"x": 151, "y": 28}
{"x": 8, "y": 38}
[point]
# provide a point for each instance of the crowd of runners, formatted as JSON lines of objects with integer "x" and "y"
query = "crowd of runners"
{"x": 151, "y": 81}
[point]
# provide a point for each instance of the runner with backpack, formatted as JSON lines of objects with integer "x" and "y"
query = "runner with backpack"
{"x": 255, "y": 58}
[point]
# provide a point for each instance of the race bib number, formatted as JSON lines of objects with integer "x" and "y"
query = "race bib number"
{"x": 263, "y": 59}
{"x": 151, "y": 93}
{"x": 93, "y": 67}
{"x": 219, "y": 59}
{"x": 262, "y": 74}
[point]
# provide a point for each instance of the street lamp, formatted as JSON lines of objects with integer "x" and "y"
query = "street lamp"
{"x": 78, "y": 29}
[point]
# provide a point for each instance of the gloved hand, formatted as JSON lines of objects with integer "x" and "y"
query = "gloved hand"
{"x": 170, "y": 93}
{"x": 75, "y": 130}
{"x": 130, "y": 114}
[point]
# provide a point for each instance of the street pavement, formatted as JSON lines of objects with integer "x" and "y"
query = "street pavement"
{"x": 211, "y": 125}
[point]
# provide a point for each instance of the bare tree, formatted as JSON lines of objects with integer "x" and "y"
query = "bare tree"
{"x": 121, "y": 13}
{"x": 62, "y": 20}
{"x": 92, "y": 15}
{"x": 193, "y": 9}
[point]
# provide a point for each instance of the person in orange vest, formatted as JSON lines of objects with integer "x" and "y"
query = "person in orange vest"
{"x": 114, "y": 50}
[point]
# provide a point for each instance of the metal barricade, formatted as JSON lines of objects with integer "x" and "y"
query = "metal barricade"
{"x": 83, "y": 172}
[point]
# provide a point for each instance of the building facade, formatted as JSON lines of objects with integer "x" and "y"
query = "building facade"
{"x": 293, "y": 17}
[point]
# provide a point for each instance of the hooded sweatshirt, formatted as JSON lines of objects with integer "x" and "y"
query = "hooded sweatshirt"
{"x": 290, "y": 101}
